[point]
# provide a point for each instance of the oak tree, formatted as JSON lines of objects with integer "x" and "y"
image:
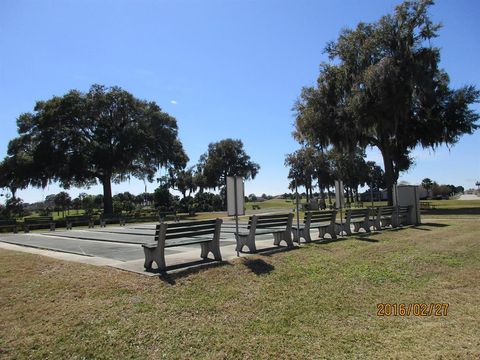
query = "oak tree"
{"x": 104, "y": 135}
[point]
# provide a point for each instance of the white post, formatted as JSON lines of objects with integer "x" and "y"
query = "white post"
{"x": 236, "y": 209}
{"x": 339, "y": 201}
{"x": 298, "y": 215}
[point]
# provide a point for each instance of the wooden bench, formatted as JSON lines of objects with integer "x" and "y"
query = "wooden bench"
{"x": 383, "y": 216}
{"x": 402, "y": 216}
{"x": 78, "y": 219}
{"x": 164, "y": 215}
{"x": 38, "y": 222}
{"x": 323, "y": 220}
{"x": 358, "y": 218}
{"x": 10, "y": 224}
{"x": 111, "y": 219}
{"x": 426, "y": 205}
{"x": 141, "y": 218}
{"x": 206, "y": 233}
{"x": 279, "y": 225}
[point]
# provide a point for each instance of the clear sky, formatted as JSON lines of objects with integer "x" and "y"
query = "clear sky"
{"x": 223, "y": 68}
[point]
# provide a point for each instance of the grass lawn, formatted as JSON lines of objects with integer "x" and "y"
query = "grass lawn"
{"x": 272, "y": 203}
{"x": 319, "y": 301}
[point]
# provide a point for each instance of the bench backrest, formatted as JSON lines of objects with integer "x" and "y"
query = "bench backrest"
{"x": 141, "y": 217}
{"x": 38, "y": 220}
{"x": 4, "y": 222}
{"x": 164, "y": 214}
{"x": 186, "y": 229}
{"x": 381, "y": 211}
{"x": 313, "y": 217}
{"x": 269, "y": 221}
{"x": 110, "y": 216}
{"x": 357, "y": 214}
{"x": 77, "y": 218}
{"x": 387, "y": 210}
{"x": 402, "y": 210}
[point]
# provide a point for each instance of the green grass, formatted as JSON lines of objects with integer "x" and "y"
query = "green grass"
{"x": 318, "y": 301}
{"x": 454, "y": 204}
{"x": 272, "y": 203}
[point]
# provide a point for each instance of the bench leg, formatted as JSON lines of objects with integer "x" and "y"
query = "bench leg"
{"x": 279, "y": 236}
{"x": 103, "y": 223}
{"x": 297, "y": 234}
{"x": 52, "y": 227}
{"x": 366, "y": 226}
{"x": 388, "y": 222}
{"x": 301, "y": 233}
{"x": 246, "y": 240}
{"x": 26, "y": 228}
{"x": 306, "y": 235}
{"x": 330, "y": 229}
{"x": 211, "y": 247}
{"x": 91, "y": 224}
{"x": 157, "y": 255}
{"x": 347, "y": 229}
{"x": 69, "y": 226}
{"x": 356, "y": 227}
{"x": 321, "y": 232}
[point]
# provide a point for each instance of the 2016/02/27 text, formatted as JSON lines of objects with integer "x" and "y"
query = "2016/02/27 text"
{"x": 415, "y": 309}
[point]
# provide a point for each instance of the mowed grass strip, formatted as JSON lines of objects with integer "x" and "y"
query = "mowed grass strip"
{"x": 318, "y": 301}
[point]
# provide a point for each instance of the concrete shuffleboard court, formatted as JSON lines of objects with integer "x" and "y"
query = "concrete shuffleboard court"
{"x": 122, "y": 245}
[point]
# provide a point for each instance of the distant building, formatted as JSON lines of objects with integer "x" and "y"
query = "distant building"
{"x": 377, "y": 195}
{"x": 381, "y": 195}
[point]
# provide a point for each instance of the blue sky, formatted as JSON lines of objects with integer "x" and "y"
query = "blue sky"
{"x": 223, "y": 68}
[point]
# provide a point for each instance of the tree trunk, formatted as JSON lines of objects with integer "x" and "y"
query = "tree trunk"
{"x": 389, "y": 175}
{"x": 107, "y": 194}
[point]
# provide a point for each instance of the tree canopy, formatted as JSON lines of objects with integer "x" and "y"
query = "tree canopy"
{"x": 384, "y": 88}
{"x": 103, "y": 135}
{"x": 225, "y": 158}
{"x": 309, "y": 164}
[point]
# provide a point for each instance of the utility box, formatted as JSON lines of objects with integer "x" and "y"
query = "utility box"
{"x": 409, "y": 195}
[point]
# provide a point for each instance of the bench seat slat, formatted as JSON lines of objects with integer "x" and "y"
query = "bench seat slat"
{"x": 190, "y": 224}
{"x": 173, "y": 230}
{"x": 189, "y": 234}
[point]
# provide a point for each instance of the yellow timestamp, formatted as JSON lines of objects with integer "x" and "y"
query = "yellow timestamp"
{"x": 412, "y": 309}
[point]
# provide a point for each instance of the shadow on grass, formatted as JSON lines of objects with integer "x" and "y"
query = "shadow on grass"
{"x": 457, "y": 211}
{"x": 179, "y": 271}
{"x": 269, "y": 251}
{"x": 362, "y": 236}
{"x": 258, "y": 266}
{"x": 433, "y": 225}
{"x": 423, "y": 228}
{"x": 366, "y": 238}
